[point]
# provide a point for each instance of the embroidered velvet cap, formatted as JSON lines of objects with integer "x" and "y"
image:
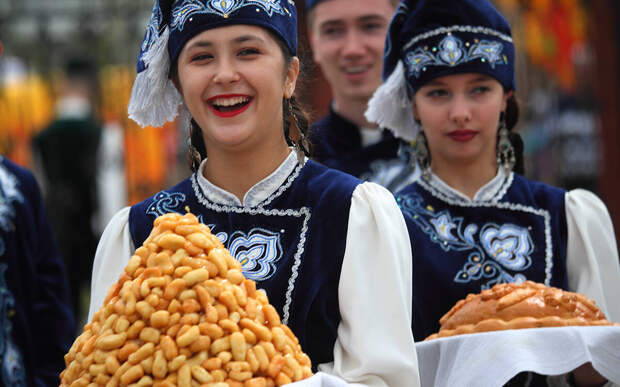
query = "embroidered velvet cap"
{"x": 154, "y": 99}
{"x": 428, "y": 39}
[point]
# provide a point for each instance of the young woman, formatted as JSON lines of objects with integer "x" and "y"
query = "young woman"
{"x": 332, "y": 252}
{"x": 474, "y": 220}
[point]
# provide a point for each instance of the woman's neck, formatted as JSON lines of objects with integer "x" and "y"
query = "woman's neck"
{"x": 466, "y": 178}
{"x": 237, "y": 172}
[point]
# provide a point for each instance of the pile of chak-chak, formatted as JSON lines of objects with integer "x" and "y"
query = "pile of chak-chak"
{"x": 519, "y": 306}
{"x": 182, "y": 314}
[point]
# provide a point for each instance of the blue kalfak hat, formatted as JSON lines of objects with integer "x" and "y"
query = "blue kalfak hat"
{"x": 154, "y": 99}
{"x": 428, "y": 39}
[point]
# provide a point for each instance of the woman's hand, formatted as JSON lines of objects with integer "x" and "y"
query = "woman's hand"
{"x": 586, "y": 376}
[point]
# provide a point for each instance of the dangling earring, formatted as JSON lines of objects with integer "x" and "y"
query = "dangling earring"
{"x": 505, "y": 151}
{"x": 422, "y": 155}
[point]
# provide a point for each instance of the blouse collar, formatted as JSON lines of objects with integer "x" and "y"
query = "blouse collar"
{"x": 255, "y": 195}
{"x": 494, "y": 190}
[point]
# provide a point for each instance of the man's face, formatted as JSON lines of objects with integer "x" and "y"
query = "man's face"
{"x": 347, "y": 38}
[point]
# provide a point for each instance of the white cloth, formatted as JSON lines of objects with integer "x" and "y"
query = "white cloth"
{"x": 493, "y": 358}
{"x": 593, "y": 269}
{"x": 375, "y": 345}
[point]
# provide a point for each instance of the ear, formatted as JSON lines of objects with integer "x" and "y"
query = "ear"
{"x": 291, "y": 77}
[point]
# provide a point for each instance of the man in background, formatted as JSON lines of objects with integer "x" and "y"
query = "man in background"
{"x": 67, "y": 153}
{"x": 347, "y": 38}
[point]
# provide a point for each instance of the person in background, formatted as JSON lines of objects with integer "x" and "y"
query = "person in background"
{"x": 347, "y": 39}
{"x": 475, "y": 221}
{"x": 66, "y": 154}
{"x": 36, "y": 322}
{"x": 332, "y": 252}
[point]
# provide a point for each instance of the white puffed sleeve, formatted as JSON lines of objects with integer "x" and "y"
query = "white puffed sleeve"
{"x": 375, "y": 343}
{"x": 112, "y": 255}
{"x": 592, "y": 253}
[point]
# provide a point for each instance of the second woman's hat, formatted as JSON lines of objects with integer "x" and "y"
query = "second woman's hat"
{"x": 428, "y": 39}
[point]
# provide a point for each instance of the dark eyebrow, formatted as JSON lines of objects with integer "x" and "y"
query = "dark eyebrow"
{"x": 362, "y": 19}
{"x": 245, "y": 38}
{"x": 240, "y": 39}
{"x": 481, "y": 78}
{"x": 372, "y": 18}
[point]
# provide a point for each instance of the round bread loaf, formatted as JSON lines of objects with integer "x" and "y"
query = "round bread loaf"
{"x": 519, "y": 306}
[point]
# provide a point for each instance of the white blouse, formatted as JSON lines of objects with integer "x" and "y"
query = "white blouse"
{"x": 375, "y": 345}
{"x": 591, "y": 252}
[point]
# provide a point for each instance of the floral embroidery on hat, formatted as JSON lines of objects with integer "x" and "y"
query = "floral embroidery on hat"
{"x": 183, "y": 11}
{"x": 451, "y": 51}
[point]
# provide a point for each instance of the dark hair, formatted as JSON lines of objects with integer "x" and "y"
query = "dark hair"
{"x": 512, "y": 117}
{"x": 294, "y": 117}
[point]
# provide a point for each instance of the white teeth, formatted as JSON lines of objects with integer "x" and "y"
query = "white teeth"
{"x": 355, "y": 70}
{"x": 229, "y": 101}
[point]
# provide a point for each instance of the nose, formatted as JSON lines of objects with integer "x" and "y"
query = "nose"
{"x": 353, "y": 45}
{"x": 225, "y": 72}
{"x": 460, "y": 111}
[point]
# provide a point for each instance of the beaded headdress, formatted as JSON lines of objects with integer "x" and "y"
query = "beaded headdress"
{"x": 154, "y": 99}
{"x": 428, "y": 39}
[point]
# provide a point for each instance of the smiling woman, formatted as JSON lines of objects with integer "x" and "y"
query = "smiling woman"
{"x": 303, "y": 232}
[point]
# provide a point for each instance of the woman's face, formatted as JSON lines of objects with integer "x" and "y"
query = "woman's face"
{"x": 232, "y": 80}
{"x": 460, "y": 116}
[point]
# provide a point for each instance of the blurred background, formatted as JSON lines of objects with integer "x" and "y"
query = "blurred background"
{"x": 71, "y": 64}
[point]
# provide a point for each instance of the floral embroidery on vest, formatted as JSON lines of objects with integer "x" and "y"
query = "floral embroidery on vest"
{"x": 494, "y": 248}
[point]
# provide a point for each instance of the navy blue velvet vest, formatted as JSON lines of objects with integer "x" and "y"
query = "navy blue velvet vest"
{"x": 292, "y": 244}
{"x": 337, "y": 143}
{"x": 461, "y": 247}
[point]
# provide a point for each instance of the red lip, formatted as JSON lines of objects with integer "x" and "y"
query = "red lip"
{"x": 462, "y": 135}
{"x": 232, "y": 112}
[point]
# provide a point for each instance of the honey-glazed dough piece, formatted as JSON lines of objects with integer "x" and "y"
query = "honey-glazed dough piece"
{"x": 182, "y": 314}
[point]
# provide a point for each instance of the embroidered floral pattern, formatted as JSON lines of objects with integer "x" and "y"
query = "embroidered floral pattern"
{"x": 13, "y": 373}
{"x": 152, "y": 30}
{"x": 165, "y": 202}
{"x": 11, "y": 363}
{"x": 186, "y": 8}
{"x": 494, "y": 248}
{"x": 9, "y": 194}
{"x": 258, "y": 252}
{"x": 304, "y": 212}
{"x": 451, "y": 51}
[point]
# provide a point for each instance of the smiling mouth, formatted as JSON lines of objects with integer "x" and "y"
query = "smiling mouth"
{"x": 229, "y": 105}
{"x": 353, "y": 70}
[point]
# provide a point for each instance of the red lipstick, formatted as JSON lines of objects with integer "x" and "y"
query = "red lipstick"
{"x": 229, "y": 110}
{"x": 462, "y": 135}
